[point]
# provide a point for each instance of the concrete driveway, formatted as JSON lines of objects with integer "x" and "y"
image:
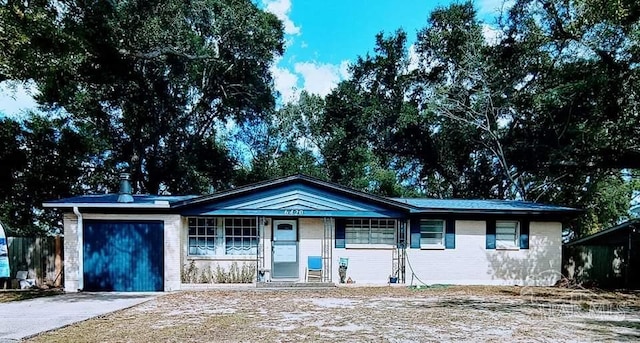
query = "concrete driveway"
{"x": 20, "y": 319}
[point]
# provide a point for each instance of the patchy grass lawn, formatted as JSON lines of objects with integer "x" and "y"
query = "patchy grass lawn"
{"x": 17, "y": 295}
{"x": 384, "y": 314}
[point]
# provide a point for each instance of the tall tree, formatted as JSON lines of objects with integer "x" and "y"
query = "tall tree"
{"x": 153, "y": 79}
{"x": 41, "y": 159}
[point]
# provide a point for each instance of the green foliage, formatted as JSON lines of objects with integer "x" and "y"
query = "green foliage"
{"x": 136, "y": 85}
{"x": 545, "y": 112}
{"x": 41, "y": 159}
{"x": 152, "y": 79}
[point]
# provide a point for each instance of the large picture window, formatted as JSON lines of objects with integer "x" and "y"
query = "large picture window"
{"x": 432, "y": 233}
{"x": 222, "y": 236}
{"x": 370, "y": 231}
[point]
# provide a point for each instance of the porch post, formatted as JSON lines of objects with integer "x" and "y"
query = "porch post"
{"x": 327, "y": 249}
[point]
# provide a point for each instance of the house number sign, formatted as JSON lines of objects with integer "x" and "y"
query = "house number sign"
{"x": 293, "y": 212}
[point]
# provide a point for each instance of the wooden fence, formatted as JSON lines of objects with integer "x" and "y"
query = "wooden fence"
{"x": 42, "y": 257}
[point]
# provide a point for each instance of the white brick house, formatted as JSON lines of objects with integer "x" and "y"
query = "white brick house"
{"x": 277, "y": 229}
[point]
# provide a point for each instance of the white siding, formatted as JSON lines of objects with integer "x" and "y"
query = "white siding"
{"x": 366, "y": 266}
{"x": 311, "y": 236}
{"x": 471, "y": 263}
{"x": 172, "y": 224}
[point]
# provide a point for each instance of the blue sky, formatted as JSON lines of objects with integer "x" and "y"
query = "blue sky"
{"x": 323, "y": 37}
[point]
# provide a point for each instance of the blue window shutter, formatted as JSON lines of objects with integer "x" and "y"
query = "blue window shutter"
{"x": 415, "y": 233}
{"x": 491, "y": 234}
{"x": 340, "y": 233}
{"x": 450, "y": 234}
{"x": 524, "y": 234}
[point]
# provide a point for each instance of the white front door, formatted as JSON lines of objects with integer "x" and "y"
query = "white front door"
{"x": 284, "y": 249}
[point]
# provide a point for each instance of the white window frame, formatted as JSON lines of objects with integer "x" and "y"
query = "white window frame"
{"x": 425, "y": 245}
{"x": 215, "y": 236}
{"x": 510, "y": 244}
{"x": 243, "y": 229}
{"x": 370, "y": 228}
{"x": 206, "y": 234}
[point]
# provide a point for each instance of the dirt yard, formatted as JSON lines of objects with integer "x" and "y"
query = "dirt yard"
{"x": 7, "y": 295}
{"x": 441, "y": 314}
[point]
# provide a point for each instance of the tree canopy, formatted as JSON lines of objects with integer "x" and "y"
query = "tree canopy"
{"x": 544, "y": 109}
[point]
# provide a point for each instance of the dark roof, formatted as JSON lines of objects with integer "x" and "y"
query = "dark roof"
{"x": 111, "y": 200}
{"x": 289, "y": 179}
{"x": 411, "y": 205}
{"x": 430, "y": 205}
{"x": 611, "y": 236}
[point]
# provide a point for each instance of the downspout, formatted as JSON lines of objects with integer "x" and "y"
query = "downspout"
{"x": 629, "y": 247}
{"x": 80, "y": 248}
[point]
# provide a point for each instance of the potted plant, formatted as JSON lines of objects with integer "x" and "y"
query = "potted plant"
{"x": 393, "y": 277}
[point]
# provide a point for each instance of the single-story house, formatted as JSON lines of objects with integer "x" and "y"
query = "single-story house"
{"x": 282, "y": 229}
{"x": 609, "y": 258}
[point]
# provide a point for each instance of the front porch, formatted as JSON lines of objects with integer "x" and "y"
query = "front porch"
{"x": 274, "y": 232}
{"x": 288, "y": 251}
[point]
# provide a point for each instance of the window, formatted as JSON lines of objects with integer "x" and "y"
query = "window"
{"x": 241, "y": 235}
{"x": 370, "y": 231}
{"x": 431, "y": 233}
{"x": 507, "y": 233}
{"x": 203, "y": 236}
{"x": 222, "y": 236}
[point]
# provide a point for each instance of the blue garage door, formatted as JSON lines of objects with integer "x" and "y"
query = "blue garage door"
{"x": 123, "y": 256}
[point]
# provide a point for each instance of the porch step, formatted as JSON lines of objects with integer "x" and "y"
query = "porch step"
{"x": 294, "y": 285}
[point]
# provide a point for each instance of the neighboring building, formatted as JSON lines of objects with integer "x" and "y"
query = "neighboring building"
{"x": 150, "y": 243}
{"x": 608, "y": 259}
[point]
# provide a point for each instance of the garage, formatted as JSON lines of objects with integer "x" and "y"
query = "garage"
{"x": 123, "y": 256}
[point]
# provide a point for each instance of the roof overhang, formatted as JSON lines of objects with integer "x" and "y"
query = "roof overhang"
{"x": 155, "y": 205}
{"x": 304, "y": 196}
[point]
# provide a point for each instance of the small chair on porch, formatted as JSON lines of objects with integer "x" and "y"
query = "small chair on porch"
{"x": 314, "y": 269}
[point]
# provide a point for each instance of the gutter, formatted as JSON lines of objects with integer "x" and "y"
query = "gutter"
{"x": 80, "y": 232}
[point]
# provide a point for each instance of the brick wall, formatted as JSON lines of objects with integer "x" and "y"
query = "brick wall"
{"x": 172, "y": 251}
{"x": 471, "y": 263}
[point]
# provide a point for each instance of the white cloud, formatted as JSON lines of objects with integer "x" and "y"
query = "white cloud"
{"x": 321, "y": 78}
{"x": 491, "y": 35}
{"x": 286, "y": 83}
{"x": 414, "y": 59}
{"x": 345, "y": 73}
{"x": 281, "y": 9}
{"x": 493, "y": 6}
